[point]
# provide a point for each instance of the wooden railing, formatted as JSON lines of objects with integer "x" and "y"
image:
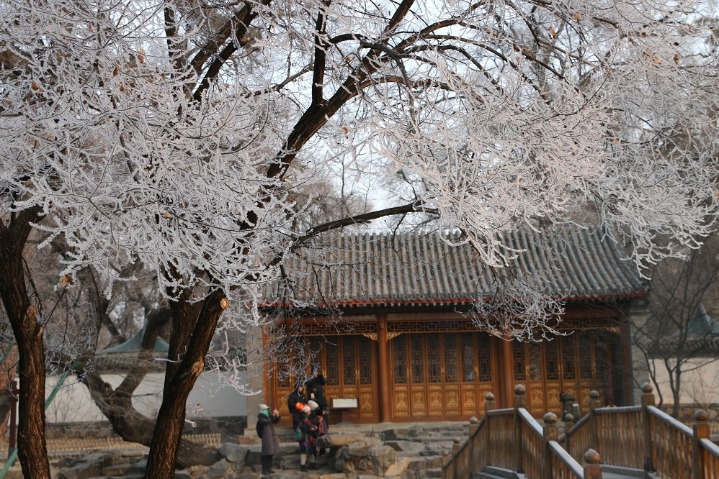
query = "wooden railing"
{"x": 637, "y": 437}
{"x": 513, "y": 439}
{"x": 644, "y": 437}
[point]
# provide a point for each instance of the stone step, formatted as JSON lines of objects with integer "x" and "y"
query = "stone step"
{"x": 433, "y": 472}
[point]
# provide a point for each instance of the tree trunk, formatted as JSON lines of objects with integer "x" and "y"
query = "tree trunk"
{"x": 117, "y": 405}
{"x": 32, "y": 447}
{"x": 135, "y": 427}
{"x": 7, "y": 374}
{"x": 163, "y": 455}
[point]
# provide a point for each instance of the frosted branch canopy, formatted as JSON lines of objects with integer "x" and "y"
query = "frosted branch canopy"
{"x": 177, "y": 134}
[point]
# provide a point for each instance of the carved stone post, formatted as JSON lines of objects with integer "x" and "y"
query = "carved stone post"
{"x": 700, "y": 428}
{"x": 520, "y": 402}
{"x": 592, "y": 465}
{"x": 594, "y": 400}
{"x": 647, "y": 400}
{"x": 551, "y": 433}
{"x": 489, "y": 404}
{"x": 473, "y": 425}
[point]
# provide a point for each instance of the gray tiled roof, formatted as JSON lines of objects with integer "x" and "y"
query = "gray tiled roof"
{"x": 414, "y": 268}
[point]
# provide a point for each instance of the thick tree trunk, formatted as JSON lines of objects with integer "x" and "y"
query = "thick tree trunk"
{"x": 32, "y": 447}
{"x": 7, "y": 376}
{"x": 181, "y": 378}
{"x": 116, "y": 404}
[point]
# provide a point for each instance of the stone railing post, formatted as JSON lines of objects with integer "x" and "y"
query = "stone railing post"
{"x": 595, "y": 400}
{"x": 647, "y": 400}
{"x": 473, "y": 425}
{"x": 700, "y": 429}
{"x": 568, "y": 422}
{"x": 592, "y": 465}
{"x": 551, "y": 433}
{"x": 520, "y": 402}
{"x": 489, "y": 404}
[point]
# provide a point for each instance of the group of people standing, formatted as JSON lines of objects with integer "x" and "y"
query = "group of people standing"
{"x": 310, "y": 420}
{"x": 310, "y": 415}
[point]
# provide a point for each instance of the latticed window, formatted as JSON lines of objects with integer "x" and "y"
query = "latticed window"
{"x": 450, "y": 358}
{"x": 535, "y": 361}
{"x": 417, "y": 359}
{"x": 585, "y": 355}
{"x": 433, "y": 363}
{"x": 551, "y": 357}
{"x": 468, "y": 355}
{"x": 485, "y": 358}
{"x": 348, "y": 361}
{"x": 520, "y": 373}
{"x": 399, "y": 356}
{"x": 365, "y": 360}
{"x": 569, "y": 358}
{"x": 332, "y": 361}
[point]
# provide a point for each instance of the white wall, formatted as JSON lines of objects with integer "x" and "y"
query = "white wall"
{"x": 209, "y": 398}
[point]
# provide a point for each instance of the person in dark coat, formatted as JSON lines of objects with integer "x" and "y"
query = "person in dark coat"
{"x": 307, "y": 440}
{"x": 316, "y": 392}
{"x": 296, "y": 396}
{"x": 266, "y": 430}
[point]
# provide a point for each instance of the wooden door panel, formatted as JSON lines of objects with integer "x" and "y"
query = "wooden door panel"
{"x": 535, "y": 398}
{"x": 367, "y": 403}
{"x": 553, "y": 402}
{"x": 418, "y": 405}
{"x": 400, "y": 401}
{"x": 470, "y": 404}
{"x": 442, "y": 374}
{"x": 451, "y": 400}
{"x": 435, "y": 400}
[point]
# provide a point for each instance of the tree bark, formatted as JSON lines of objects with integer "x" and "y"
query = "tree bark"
{"x": 116, "y": 404}
{"x": 135, "y": 427}
{"x": 181, "y": 378}
{"x": 32, "y": 447}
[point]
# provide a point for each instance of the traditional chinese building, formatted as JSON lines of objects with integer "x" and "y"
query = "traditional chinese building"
{"x": 391, "y": 318}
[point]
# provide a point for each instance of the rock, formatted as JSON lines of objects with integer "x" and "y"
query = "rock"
{"x": 88, "y": 466}
{"x": 234, "y": 453}
{"x": 217, "y": 471}
{"x": 337, "y": 440}
{"x": 410, "y": 447}
{"x": 398, "y": 467}
{"x": 138, "y": 467}
{"x": 382, "y": 458}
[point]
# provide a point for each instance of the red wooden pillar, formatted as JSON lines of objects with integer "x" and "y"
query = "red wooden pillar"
{"x": 383, "y": 370}
{"x": 506, "y": 364}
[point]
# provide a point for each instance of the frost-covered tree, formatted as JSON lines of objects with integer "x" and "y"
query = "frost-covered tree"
{"x": 679, "y": 338}
{"x": 168, "y": 134}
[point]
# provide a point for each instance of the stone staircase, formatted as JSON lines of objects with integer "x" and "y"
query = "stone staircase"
{"x": 422, "y": 446}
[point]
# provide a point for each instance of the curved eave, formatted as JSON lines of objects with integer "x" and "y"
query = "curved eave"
{"x": 388, "y": 303}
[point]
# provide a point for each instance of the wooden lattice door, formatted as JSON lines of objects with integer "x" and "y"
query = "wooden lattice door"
{"x": 574, "y": 364}
{"x": 351, "y": 373}
{"x": 349, "y": 366}
{"x": 440, "y": 375}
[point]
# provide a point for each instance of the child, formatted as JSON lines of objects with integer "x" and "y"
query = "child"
{"x": 307, "y": 440}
